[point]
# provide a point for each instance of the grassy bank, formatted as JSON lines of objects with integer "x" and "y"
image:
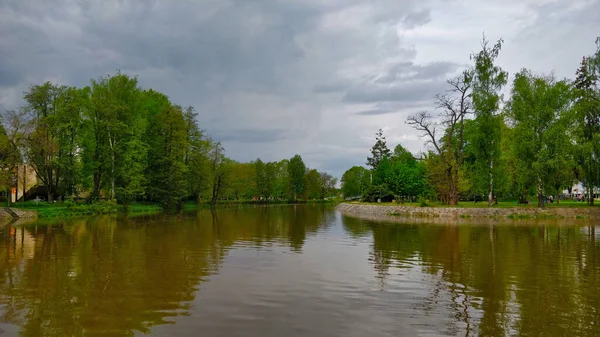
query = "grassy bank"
{"x": 72, "y": 209}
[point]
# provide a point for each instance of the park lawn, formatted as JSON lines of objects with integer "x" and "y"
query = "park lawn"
{"x": 71, "y": 209}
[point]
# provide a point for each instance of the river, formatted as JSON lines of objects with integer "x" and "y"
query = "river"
{"x": 296, "y": 271}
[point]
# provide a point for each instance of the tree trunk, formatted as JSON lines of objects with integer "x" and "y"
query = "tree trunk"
{"x": 491, "y": 191}
{"x": 17, "y": 187}
{"x": 591, "y": 201}
{"x": 540, "y": 193}
{"x": 50, "y": 195}
{"x": 24, "y": 183}
{"x": 557, "y": 196}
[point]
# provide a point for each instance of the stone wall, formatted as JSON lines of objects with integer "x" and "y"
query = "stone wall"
{"x": 16, "y": 213}
{"x": 448, "y": 213}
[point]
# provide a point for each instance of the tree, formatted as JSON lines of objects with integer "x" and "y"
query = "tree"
{"x": 539, "y": 110}
{"x": 167, "y": 172}
{"x": 261, "y": 179}
{"x": 587, "y": 121}
{"x": 488, "y": 80}
{"x": 328, "y": 183}
{"x": 10, "y": 157}
{"x": 296, "y": 171}
{"x": 114, "y": 125}
{"x": 43, "y": 143}
{"x": 408, "y": 178}
{"x": 281, "y": 185}
{"x": 312, "y": 186}
{"x": 270, "y": 179}
{"x": 356, "y": 181}
{"x": 455, "y": 106}
{"x": 219, "y": 169}
{"x": 378, "y": 151}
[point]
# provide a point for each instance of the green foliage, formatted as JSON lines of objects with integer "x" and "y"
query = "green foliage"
{"x": 539, "y": 110}
{"x": 587, "y": 120}
{"x": 488, "y": 80}
{"x": 378, "y": 192}
{"x": 356, "y": 181}
{"x": 378, "y": 151}
{"x": 296, "y": 172}
{"x": 117, "y": 142}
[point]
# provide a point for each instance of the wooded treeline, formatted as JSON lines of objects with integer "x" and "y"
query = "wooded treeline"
{"x": 113, "y": 140}
{"x": 544, "y": 138}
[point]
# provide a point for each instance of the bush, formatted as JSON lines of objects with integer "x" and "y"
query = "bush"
{"x": 423, "y": 202}
{"x": 376, "y": 192}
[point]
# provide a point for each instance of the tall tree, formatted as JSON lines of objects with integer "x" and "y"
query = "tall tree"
{"x": 70, "y": 107}
{"x": 488, "y": 80}
{"x": 43, "y": 144}
{"x": 296, "y": 172}
{"x": 219, "y": 169}
{"x": 328, "y": 183}
{"x": 261, "y": 178}
{"x": 167, "y": 172}
{"x": 356, "y": 181}
{"x": 312, "y": 185}
{"x": 408, "y": 178}
{"x": 115, "y": 123}
{"x": 539, "y": 110}
{"x": 587, "y": 107}
{"x": 447, "y": 136}
{"x": 378, "y": 151}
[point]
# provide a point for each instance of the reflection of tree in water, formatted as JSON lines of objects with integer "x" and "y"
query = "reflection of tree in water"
{"x": 113, "y": 276}
{"x": 499, "y": 280}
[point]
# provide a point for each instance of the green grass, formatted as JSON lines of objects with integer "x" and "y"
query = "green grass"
{"x": 72, "y": 209}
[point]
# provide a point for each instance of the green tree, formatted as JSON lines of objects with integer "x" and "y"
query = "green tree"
{"x": 281, "y": 186}
{"x": 114, "y": 125}
{"x": 378, "y": 151}
{"x": 43, "y": 143}
{"x": 219, "y": 171}
{"x": 587, "y": 119}
{"x": 447, "y": 136}
{"x": 296, "y": 172}
{"x": 167, "y": 172}
{"x": 328, "y": 183}
{"x": 408, "y": 175}
{"x": 355, "y": 181}
{"x": 261, "y": 178}
{"x": 488, "y": 80}
{"x": 539, "y": 110}
{"x": 312, "y": 185}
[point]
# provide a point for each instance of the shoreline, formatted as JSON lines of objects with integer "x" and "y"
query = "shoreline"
{"x": 381, "y": 212}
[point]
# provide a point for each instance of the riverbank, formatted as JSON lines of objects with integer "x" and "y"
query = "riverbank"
{"x": 70, "y": 209}
{"x": 391, "y": 211}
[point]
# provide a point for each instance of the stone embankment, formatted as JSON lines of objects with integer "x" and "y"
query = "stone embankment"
{"x": 16, "y": 213}
{"x": 449, "y": 213}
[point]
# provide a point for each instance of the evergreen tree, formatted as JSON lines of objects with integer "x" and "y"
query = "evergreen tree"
{"x": 378, "y": 151}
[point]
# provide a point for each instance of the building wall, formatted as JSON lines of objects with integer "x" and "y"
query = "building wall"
{"x": 26, "y": 180}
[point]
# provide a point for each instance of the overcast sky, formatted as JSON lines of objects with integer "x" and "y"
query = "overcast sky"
{"x": 274, "y": 78}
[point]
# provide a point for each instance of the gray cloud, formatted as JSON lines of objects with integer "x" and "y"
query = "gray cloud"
{"x": 252, "y": 135}
{"x": 417, "y": 18}
{"x": 275, "y": 78}
{"x": 411, "y": 91}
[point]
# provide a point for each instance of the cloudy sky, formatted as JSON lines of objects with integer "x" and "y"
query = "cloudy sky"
{"x": 272, "y": 78}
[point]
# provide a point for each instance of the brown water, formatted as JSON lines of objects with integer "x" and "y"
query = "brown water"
{"x": 296, "y": 271}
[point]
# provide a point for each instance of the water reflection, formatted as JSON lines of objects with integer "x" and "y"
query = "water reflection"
{"x": 498, "y": 280}
{"x": 296, "y": 271}
{"x": 113, "y": 276}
